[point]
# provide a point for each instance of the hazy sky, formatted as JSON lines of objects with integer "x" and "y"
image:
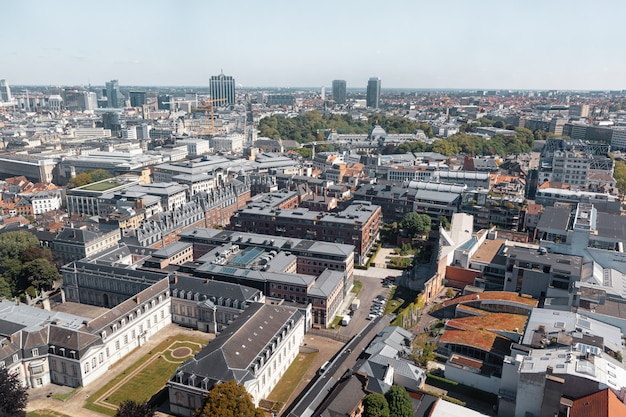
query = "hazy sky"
{"x": 496, "y": 44}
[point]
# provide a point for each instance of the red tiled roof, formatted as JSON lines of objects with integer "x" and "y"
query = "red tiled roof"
{"x": 478, "y": 331}
{"x": 600, "y": 404}
{"x": 534, "y": 209}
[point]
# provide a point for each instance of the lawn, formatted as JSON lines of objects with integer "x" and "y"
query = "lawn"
{"x": 335, "y": 323}
{"x": 294, "y": 374}
{"x": 147, "y": 382}
{"x": 103, "y": 186}
{"x": 356, "y": 287}
{"x": 45, "y": 413}
{"x": 396, "y": 262}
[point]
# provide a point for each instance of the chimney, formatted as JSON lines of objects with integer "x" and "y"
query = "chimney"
{"x": 138, "y": 299}
{"x": 549, "y": 370}
{"x": 175, "y": 278}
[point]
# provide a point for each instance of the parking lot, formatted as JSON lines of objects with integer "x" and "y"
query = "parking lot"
{"x": 372, "y": 280}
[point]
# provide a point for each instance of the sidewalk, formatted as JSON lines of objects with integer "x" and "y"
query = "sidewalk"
{"x": 40, "y": 398}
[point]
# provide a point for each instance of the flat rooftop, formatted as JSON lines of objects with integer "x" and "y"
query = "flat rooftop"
{"x": 488, "y": 250}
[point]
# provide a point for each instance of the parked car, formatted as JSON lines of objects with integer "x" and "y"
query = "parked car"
{"x": 371, "y": 317}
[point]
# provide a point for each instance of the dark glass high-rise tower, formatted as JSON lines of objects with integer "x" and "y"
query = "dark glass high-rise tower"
{"x": 222, "y": 88}
{"x": 138, "y": 98}
{"x": 339, "y": 91}
{"x": 373, "y": 92}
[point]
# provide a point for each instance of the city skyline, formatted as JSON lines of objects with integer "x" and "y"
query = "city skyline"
{"x": 413, "y": 45}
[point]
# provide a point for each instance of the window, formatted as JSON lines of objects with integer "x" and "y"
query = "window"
{"x": 93, "y": 362}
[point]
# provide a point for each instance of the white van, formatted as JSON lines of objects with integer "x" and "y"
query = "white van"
{"x": 324, "y": 367}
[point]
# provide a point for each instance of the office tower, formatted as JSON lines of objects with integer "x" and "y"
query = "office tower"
{"x": 163, "y": 102}
{"x": 339, "y": 91}
{"x": 5, "y": 92}
{"x": 222, "y": 88}
{"x": 373, "y": 92}
{"x": 138, "y": 98}
{"x": 115, "y": 98}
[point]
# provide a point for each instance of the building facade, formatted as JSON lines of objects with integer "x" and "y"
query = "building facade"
{"x": 373, "y": 93}
{"x": 339, "y": 91}
{"x": 222, "y": 90}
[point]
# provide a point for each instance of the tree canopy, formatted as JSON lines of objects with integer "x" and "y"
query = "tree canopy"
{"x": 416, "y": 224}
{"x": 313, "y": 126}
{"x": 88, "y": 177}
{"x": 399, "y": 402}
{"x": 228, "y": 400}
{"x": 23, "y": 263}
{"x": 619, "y": 173}
{"x": 13, "y": 396}
{"x": 130, "y": 408}
{"x": 12, "y": 244}
{"x": 375, "y": 405}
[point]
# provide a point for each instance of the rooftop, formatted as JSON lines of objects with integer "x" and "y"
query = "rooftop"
{"x": 493, "y": 296}
{"x": 488, "y": 250}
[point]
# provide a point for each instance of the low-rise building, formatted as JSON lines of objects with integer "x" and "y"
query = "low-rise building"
{"x": 255, "y": 352}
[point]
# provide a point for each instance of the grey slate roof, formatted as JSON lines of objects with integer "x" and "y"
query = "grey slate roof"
{"x": 217, "y": 289}
{"x": 232, "y": 353}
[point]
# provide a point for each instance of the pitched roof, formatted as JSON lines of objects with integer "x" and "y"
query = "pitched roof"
{"x": 232, "y": 354}
{"x": 599, "y": 404}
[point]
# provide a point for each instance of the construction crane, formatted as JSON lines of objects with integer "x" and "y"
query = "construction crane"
{"x": 207, "y": 108}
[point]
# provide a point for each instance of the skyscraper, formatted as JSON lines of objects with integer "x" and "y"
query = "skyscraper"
{"x": 339, "y": 91}
{"x": 163, "y": 102}
{"x": 115, "y": 98}
{"x": 138, "y": 98}
{"x": 5, "y": 92}
{"x": 373, "y": 92}
{"x": 222, "y": 88}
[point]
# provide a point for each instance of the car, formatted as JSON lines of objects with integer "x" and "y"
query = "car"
{"x": 371, "y": 317}
{"x": 391, "y": 278}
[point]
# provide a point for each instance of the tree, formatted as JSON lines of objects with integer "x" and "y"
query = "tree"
{"x": 5, "y": 288}
{"x": 306, "y": 153}
{"x": 228, "y": 399}
{"x": 375, "y": 405}
{"x": 13, "y": 395}
{"x": 99, "y": 175}
{"x": 130, "y": 408}
{"x": 13, "y": 243}
{"x": 79, "y": 180}
{"x": 399, "y": 402}
{"x": 41, "y": 274}
{"x": 35, "y": 252}
{"x": 416, "y": 224}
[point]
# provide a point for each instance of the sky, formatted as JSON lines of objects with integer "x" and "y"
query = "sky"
{"x": 430, "y": 44}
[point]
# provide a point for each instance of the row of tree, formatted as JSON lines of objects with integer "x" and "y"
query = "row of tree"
{"x": 313, "y": 126}
{"x": 395, "y": 403}
{"x": 88, "y": 177}
{"x": 24, "y": 265}
{"x": 520, "y": 142}
{"x": 619, "y": 173}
